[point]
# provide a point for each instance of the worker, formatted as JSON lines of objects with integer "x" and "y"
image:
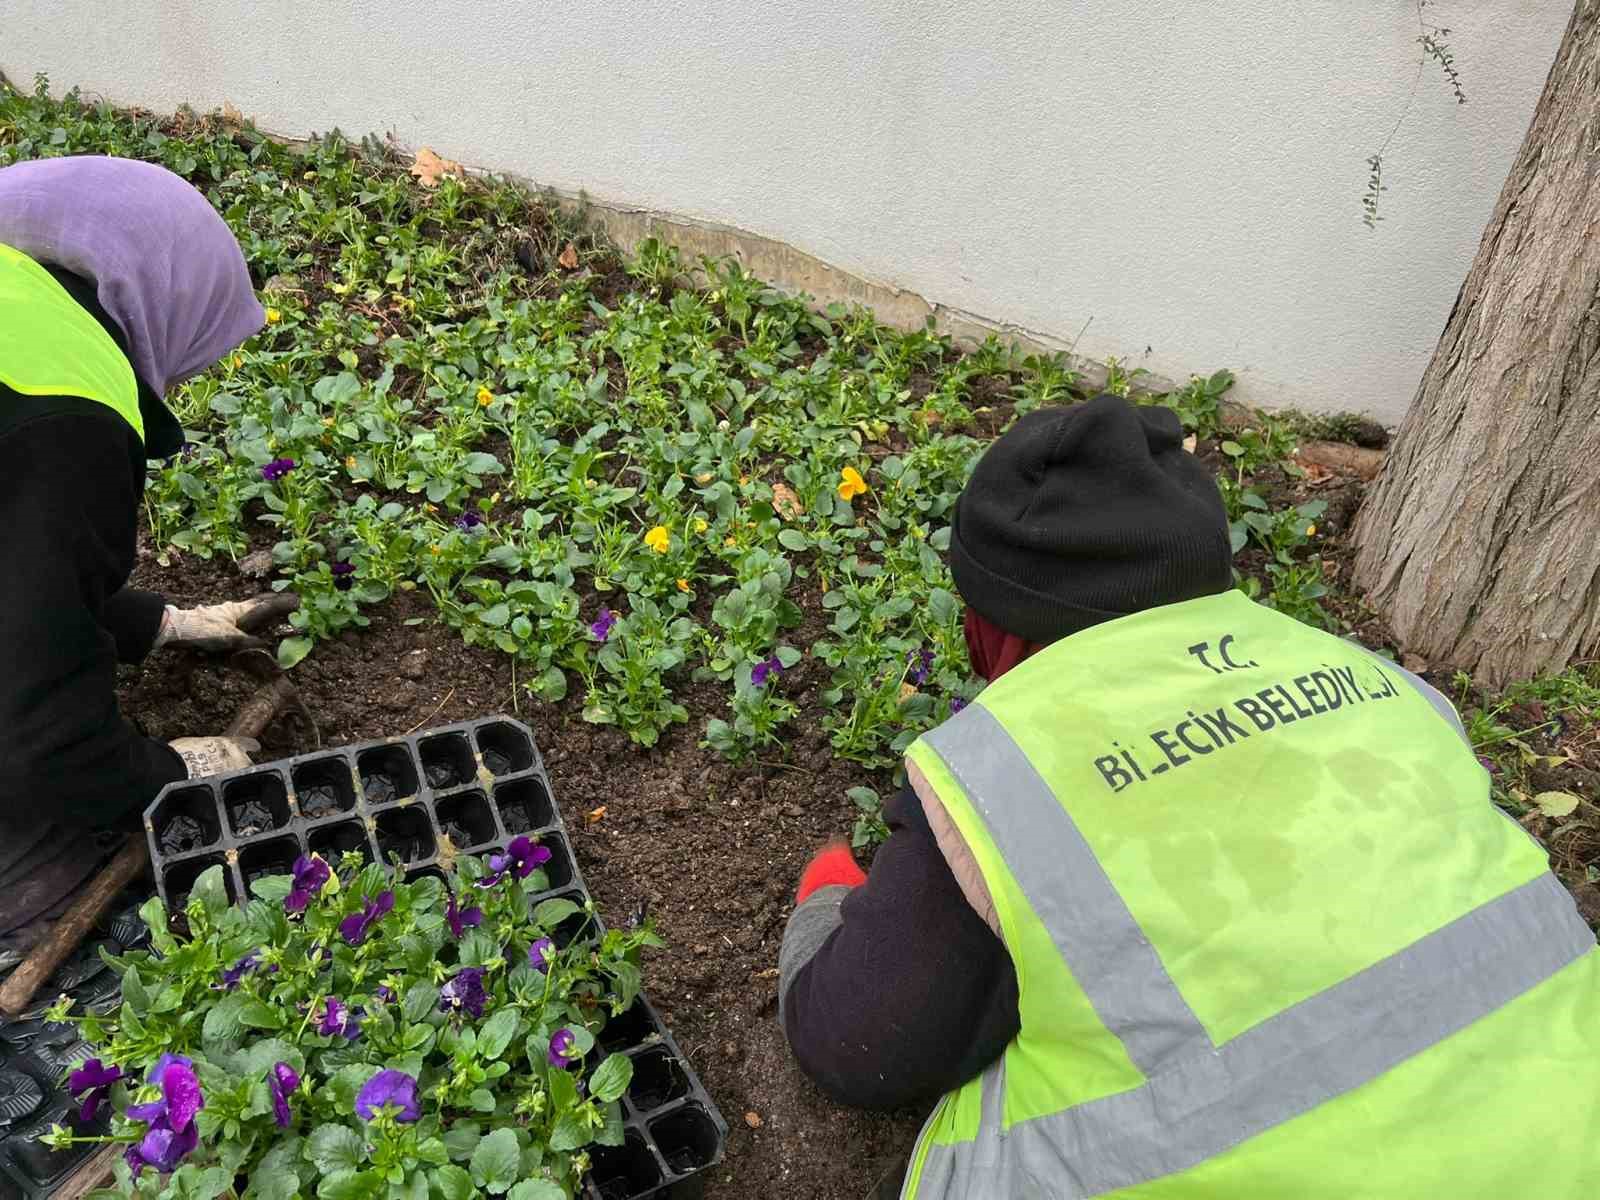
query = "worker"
{"x": 118, "y": 281}
{"x": 1193, "y": 900}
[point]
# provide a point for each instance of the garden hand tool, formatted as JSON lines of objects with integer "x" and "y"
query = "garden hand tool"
{"x": 133, "y": 859}
{"x": 219, "y": 627}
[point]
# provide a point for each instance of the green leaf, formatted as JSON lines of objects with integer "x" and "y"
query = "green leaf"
{"x": 461, "y": 1139}
{"x": 272, "y": 888}
{"x": 1556, "y": 804}
{"x": 570, "y": 1132}
{"x": 421, "y": 1000}
{"x": 497, "y": 615}
{"x": 258, "y": 1015}
{"x": 349, "y": 1185}
{"x": 481, "y": 1100}
{"x": 793, "y": 539}
{"x": 335, "y": 1148}
{"x": 611, "y": 1078}
{"x": 551, "y": 913}
{"x": 133, "y": 993}
{"x": 496, "y": 1160}
{"x": 154, "y": 915}
{"x": 211, "y": 891}
{"x": 290, "y": 652}
{"x": 612, "y": 1132}
{"x": 276, "y": 1176}
{"x": 538, "y": 1189}
{"x": 346, "y": 1084}
{"x": 1231, "y": 449}
{"x": 452, "y": 1183}
{"x": 497, "y": 1033}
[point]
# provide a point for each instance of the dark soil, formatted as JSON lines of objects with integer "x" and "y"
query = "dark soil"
{"x": 711, "y": 850}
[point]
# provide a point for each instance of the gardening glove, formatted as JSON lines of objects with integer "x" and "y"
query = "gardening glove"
{"x": 222, "y": 627}
{"x": 214, "y": 755}
{"x": 831, "y": 866}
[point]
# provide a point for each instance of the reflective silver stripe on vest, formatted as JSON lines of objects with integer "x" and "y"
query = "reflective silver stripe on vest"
{"x": 1203, "y": 1103}
{"x": 1104, "y": 947}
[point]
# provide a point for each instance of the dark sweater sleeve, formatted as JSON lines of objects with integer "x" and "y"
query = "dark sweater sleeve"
{"x": 896, "y": 991}
{"x": 68, "y": 503}
{"x": 133, "y": 619}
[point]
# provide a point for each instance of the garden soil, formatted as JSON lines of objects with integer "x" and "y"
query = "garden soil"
{"x": 711, "y": 850}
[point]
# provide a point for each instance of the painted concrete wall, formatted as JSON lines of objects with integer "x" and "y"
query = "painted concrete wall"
{"x": 1183, "y": 178}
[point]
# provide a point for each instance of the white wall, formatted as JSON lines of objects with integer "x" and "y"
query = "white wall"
{"x": 1181, "y": 175}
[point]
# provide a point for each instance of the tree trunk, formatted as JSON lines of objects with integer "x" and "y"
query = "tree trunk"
{"x": 1480, "y": 540}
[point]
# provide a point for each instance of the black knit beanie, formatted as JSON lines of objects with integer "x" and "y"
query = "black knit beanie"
{"x": 1084, "y": 514}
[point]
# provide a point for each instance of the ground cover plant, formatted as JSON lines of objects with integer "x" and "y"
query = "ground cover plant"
{"x": 651, "y": 505}
{"x": 346, "y": 1034}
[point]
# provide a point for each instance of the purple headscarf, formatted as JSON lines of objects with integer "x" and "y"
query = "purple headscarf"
{"x": 165, "y": 266}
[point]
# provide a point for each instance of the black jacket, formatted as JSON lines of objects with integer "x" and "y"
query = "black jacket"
{"x": 912, "y": 995}
{"x": 71, "y": 480}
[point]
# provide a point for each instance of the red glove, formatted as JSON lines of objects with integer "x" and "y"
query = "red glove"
{"x": 831, "y": 866}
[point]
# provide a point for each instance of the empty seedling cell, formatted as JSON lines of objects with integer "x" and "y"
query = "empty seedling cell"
{"x": 181, "y": 876}
{"x": 658, "y": 1079}
{"x": 37, "y": 1162}
{"x": 632, "y": 1028}
{"x": 524, "y": 806}
{"x": 447, "y": 761}
{"x": 187, "y": 820}
{"x": 559, "y": 871}
{"x": 261, "y": 859}
{"x": 20, "y": 1097}
{"x": 256, "y": 804}
{"x": 687, "y": 1138}
{"x": 404, "y": 833}
{"x": 465, "y": 819}
{"x": 324, "y": 787}
{"x": 335, "y": 841}
{"x": 621, "y": 1172}
{"x": 387, "y": 774}
{"x": 505, "y": 748}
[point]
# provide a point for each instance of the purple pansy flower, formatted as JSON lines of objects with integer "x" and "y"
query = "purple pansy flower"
{"x": 344, "y": 575}
{"x": 764, "y": 670}
{"x": 461, "y": 919}
{"x": 464, "y": 992}
{"x": 310, "y": 873}
{"x": 388, "y": 1089}
{"x": 541, "y": 954}
{"x": 956, "y": 705}
{"x": 338, "y": 1019}
{"x": 164, "y": 1148}
{"x": 523, "y": 855}
{"x": 468, "y": 521}
{"x": 283, "y": 1081}
{"x": 383, "y": 994}
{"x": 918, "y": 664}
{"x": 354, "y": 927}
{"x": 232, "y": 976}
{"x": 277, "y": 469}
{"x": 172, "y": 1133}
{"x": 561, "y": 1052}
{"x": 93, "y": 1080}
{"x": 602, "y": 628}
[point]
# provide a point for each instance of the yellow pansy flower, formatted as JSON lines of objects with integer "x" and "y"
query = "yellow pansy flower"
{"x": 683, "y": 585}
{"x": 273, "y": 316}
{"x": 1311, "y": 531}
{"x": 658, "y": 539}
{"x": 851, "y": 484}
{"x": 700, "y": 525}
{"x": 485, "y": 397}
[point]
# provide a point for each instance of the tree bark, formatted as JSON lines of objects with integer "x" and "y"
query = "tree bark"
{"x": 1480, "y": 540}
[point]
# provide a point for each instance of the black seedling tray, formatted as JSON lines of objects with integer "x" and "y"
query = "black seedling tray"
{"x": 478, "y": 784}
{"x": 36, "y": 1054}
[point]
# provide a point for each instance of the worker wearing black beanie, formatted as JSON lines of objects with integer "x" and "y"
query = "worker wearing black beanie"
{"x": 1085, "y": 514}
{"x": 1076, "y": 516}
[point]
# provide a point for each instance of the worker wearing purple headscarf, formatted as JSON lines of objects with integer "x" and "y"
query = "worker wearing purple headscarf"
{"x": 118, "y": 280}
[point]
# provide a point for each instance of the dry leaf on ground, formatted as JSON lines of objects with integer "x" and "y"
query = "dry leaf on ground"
{"x": 595, "y": 815}
{"x": 569, "y": 258}
{"x": 786, "y": 503}
{"x": 429, "y": 168}
{"x": 753, "y": 1120}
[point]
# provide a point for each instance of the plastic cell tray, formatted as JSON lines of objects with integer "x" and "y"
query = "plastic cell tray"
{"x": 409, "y": 800}
{"x": 36, "y": 1054}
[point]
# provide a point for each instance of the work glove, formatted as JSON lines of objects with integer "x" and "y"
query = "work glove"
{"x": 832, "y": 866}
{"x": 214, "y": 755}
{"x": 223, "y": 627}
